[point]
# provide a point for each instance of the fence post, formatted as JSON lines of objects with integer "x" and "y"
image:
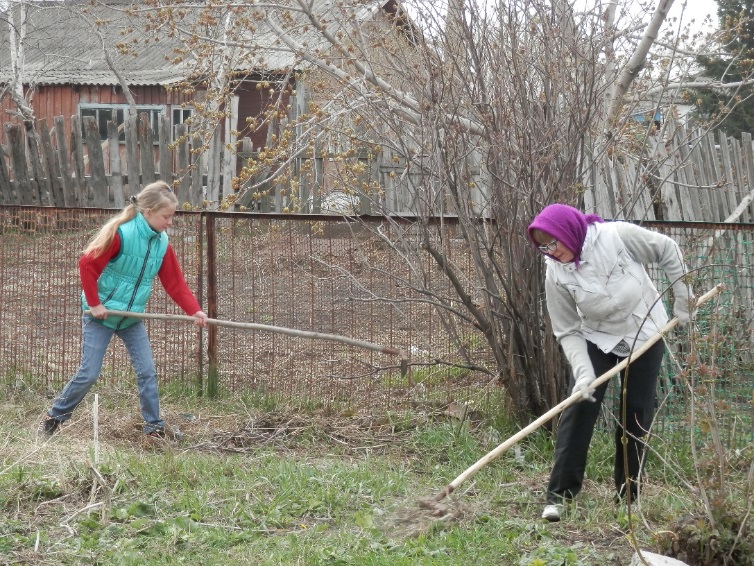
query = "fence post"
{"x": 200, "y": 296}
{"x": 212, "y": 369}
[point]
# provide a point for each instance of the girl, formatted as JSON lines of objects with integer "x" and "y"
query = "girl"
{"x": 603, "y": 304}
{"x": 117, "y": 270}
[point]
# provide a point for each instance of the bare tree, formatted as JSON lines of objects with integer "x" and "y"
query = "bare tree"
{"x": 487, "y": 111}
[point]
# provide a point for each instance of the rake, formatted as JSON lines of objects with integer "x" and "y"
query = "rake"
{"x": 268, "y": 328}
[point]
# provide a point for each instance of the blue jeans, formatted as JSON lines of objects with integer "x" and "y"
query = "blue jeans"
{"x": 95, "y": 339}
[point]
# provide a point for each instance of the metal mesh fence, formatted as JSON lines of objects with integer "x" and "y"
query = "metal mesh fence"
{"x": 329, "y": 276}
{"x": 708, "y": 378}
{"x": 316, "y": 274}
{"x": 334, "y": 276}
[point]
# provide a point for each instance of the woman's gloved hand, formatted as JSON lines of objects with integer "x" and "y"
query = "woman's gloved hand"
{"x": 582, "y": 386}
{"x": 684, "y": 310}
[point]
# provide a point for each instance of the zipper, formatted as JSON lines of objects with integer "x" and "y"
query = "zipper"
{"x": 110, "y": 296}
{"x": 138, "y": 281}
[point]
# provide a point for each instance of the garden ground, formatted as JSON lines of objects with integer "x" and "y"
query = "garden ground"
{"x": 244, "y": 481}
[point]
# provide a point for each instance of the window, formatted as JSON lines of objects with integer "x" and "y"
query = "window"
{"x": 104, "y": 113}
{"x": 181, "y": 116}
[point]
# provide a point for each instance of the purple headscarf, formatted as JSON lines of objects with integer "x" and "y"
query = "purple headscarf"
{"x": 566, "y": 224}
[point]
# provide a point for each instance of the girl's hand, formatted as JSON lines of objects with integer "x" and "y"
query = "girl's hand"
{"x": 200, "y": 319}
{"x": 98, "y": 311}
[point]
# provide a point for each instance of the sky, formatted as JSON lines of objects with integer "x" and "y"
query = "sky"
{"x": 696, "y": 9}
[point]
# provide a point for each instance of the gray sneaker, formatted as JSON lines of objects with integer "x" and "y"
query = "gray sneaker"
{"x": 552, "y": 512}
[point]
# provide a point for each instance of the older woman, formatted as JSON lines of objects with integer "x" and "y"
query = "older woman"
{"x": 603, "y": 305}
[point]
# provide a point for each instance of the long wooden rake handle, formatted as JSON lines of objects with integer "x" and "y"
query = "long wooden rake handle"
{"x": 265, "y": 328}
{"x": 574, "y": 398}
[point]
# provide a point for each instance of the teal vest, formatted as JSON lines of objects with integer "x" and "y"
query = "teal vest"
{"x": 126, "y": 281}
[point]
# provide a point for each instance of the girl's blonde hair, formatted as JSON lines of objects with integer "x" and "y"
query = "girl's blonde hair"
{"x": 152, "y": 197}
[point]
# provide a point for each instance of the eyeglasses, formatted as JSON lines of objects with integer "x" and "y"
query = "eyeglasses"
{"x": 549, "y": 248}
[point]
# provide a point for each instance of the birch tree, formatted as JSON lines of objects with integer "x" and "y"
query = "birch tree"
{"x": 16, "y": 22}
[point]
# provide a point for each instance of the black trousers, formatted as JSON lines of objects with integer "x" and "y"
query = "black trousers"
{"x": 577, "y": 424}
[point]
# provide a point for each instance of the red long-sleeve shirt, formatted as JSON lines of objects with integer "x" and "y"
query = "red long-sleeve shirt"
{"x": 170, "y": 274}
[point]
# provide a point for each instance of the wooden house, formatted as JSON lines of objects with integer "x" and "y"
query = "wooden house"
{"x": 76, "y": 59}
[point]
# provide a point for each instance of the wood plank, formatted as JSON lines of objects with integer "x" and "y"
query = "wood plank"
{"x": 100, "y": 191}
{"x": 166, "y": 158}
{"x": 7, "y": 187}
{"x": 589, "y": 200}
{"x": 228, "y": 157}
{"x": 668, "y": 187}
{"x": 64, "y": 163}
{"x": 669, "y": 191}
{"x": 183, "y": 172}
{"x": 214, "y": 165}
{"x": 701, "y": 174}
{"x": 132, "y": 154}
{"x": 714, "y": 179}
{"x": 642, "y": 195}
{"x": 299, "y": 172}
{"x": 311, "y": 181}
{"x": 51, "y": 163}
{"x": 374, "y": 166}
{"x": 625, "y": 176}
{"x": 116, "y": 174}
{"x": 748, "y": 166}
{"x": 146, "y": 149}
{"x": 686, "y": 176}
{"x": 610, "y": 201}
{"x": 728, "y": 180}
{"x": 15, "y": 139}
{"x": 39, "y": 175}
{"x": 82, "y": 191}
{"x": 197, "y": 174}
{"x": 599, "y": 170}
{"x": 741, "y": 181}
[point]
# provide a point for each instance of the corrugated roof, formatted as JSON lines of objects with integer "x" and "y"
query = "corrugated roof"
{"x": 65, "y": 46}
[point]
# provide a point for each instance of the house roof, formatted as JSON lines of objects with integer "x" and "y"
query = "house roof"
{"x": 64, "y": 44}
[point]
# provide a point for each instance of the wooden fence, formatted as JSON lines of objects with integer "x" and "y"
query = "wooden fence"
{"x": 705, "y": 177}
{"x": 38, "y": 168}
{"x": 687, "y": 176}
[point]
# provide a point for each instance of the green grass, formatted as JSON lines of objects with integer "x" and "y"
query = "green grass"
{"x": 274, "y": 485}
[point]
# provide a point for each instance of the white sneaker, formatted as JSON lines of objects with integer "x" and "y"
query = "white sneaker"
{"x": 552, "y": 512}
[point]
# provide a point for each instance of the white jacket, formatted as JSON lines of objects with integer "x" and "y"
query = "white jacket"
{"x": 610, "y": 296}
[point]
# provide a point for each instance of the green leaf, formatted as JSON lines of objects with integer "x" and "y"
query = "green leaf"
{"x": 364, "y": 519}
{"x": 140, "y": 509}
